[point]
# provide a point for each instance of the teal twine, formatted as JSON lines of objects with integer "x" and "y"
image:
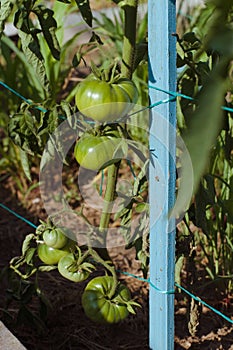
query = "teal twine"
{"x": 177, "y": 94}
{"x": 18, "y": 216}
{"x": 28, "y": 101}
{"x": 228, "y": 109}
{"x": 152, "y": 106}
{"x": 204, "y": 303}
{"x": 172, "y": 93}
{"x": 138, "y": 277}
{"x": 22, "y": 97}
{"x": 147, "y": 280}
{"x": 172, "y": 292}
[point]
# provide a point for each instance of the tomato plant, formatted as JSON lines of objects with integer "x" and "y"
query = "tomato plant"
{"x": 94, "y": 153}
{"x": 103, "y": 99}
{"x": 70, "y": 268}
{"x": 106, "y": 101}
{"x": 102, "y": 309}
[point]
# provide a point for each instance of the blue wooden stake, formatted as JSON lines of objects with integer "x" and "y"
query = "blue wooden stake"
{"x": 162, "y": 74}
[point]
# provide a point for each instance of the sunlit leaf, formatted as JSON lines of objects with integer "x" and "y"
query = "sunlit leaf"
{"x": 49, "y": 27}
{"x": 202, "y": 132}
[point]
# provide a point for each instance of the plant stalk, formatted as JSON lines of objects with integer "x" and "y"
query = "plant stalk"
{"x": 129, "y": 42}
{"x": 108, "y": 198}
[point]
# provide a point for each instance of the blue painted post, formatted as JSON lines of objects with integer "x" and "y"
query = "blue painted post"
{"x": 162, "y": 75}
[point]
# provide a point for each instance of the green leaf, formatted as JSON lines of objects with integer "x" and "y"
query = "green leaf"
{"x": 140, "y": 207}
{"x": 203, "y": 71}
{"x": 47, "y": 268}
{"x": 202, "y": 133}
{"x": 84, "y": 7}
{"x": 49, "y": 27}
{"x": 95, "y": 38}
{"x": 178, "y": 268}
{"x": 25, "y": 164}
{"x": 30, "y": 46}
{"x": 22, "y": 131}
{"x": 141, "y": 179}
{"x": 190, "y": 38}
{"x": 27, "y": 243}
{"x": 29, "y": 70}
{"x": 29, "y": 255}
{"x": 228, "y": 208}
{"x": 5, "y": 11}
{"x": 141, "y": 53}
{"x": 125, "y": 227}
{"x": 31, "y": 49}
{"x": 142, "y": 256}
{"x": 130, "y": 309}
{"x": 125, "y": 3}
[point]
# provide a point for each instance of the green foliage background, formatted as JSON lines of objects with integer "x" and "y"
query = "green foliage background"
{"x": 36, "y": 64}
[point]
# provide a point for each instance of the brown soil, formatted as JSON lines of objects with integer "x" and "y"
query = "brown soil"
{"x": 67, "y": 327}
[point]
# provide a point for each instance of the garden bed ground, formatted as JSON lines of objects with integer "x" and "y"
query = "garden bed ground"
{"x": 67, "y": 327}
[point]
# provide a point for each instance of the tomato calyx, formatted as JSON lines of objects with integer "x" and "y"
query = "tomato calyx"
{"x": 118, "y": 299}
{"x": 75, "y": 267}
{"x": 110, "y": 75}
{"x": 100, "y": 307}
{"x": 80, "y": 261}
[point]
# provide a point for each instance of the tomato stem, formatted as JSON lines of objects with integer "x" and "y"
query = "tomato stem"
{"x": 108, "y": 204}
{"x": 111, "y": 269}
{"x": 108, "y": 199}
{"x": 82, "y": 258}
{"x": 129, "y": 43}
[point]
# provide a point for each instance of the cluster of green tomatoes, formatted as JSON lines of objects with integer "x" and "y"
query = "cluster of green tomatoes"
{"x": 55, "y": 248}
{"x": 102, "y": 102}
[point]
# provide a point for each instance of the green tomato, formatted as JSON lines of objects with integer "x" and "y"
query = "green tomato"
{"x": 51, "y": 256}
{"x": 68, "y": 268}
{"x": 130, "y": 88}
{"x": 55, "y": 238}
{"x": 97, "y": 305}
{"x": 103, "y": 101}
{"x": 95, "y": 153}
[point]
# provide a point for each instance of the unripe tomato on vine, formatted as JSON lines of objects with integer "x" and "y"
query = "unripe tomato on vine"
{"x": 106, "y": 100}
{"x": 97, "y": 152}
{"x": 55, "y": 238}
{"x": 100, "y": 308}
{"x": 51, "y": 256}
